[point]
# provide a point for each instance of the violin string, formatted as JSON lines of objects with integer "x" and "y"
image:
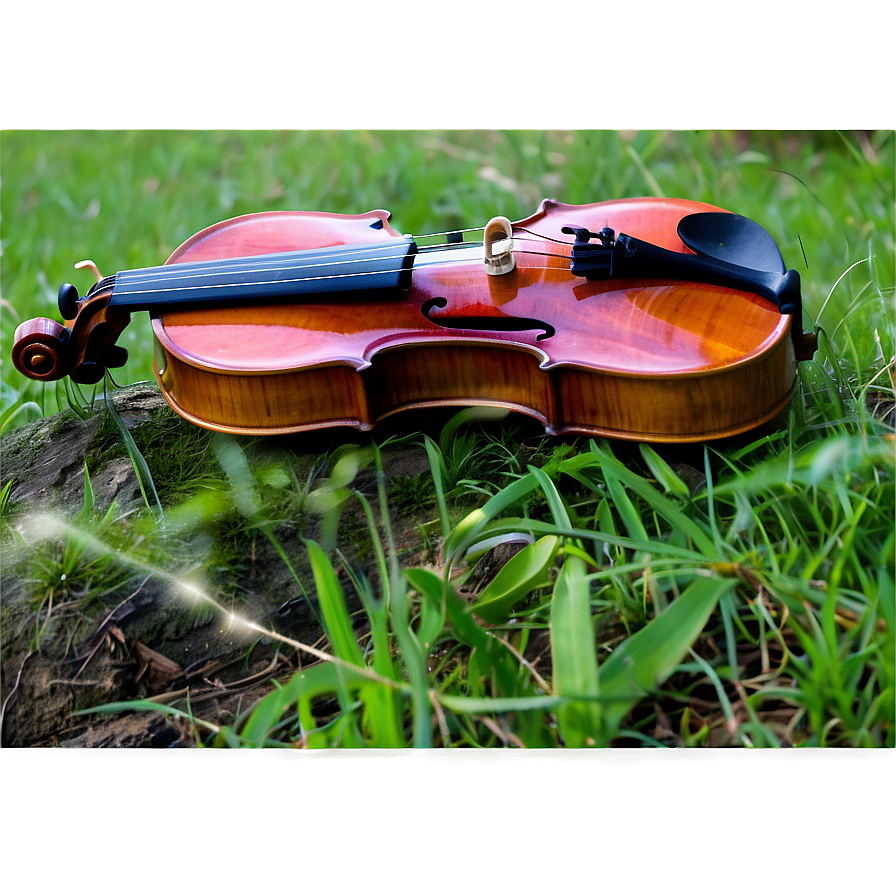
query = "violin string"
{"x": 140, "y": 283}
{"x": 517, "y": 230}
{"x": 140, "y": 278}
{"x": 275, "y": 262}
{"x": 547, "y": 239}
{"x": 121, "y": 294}
{"x": 270, "y": 265}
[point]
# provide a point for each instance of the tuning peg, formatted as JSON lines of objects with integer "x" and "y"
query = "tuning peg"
{"x": 115, "y": 356}
{"x": 582, "y": 234}
{"x": 88, "y": 373}
{"x": 68, "y": 301}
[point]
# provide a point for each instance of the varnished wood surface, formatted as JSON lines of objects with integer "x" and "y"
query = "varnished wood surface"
{"x": 665, "y": 361}
{"x": 46, "y": 350}
{"x": 624, "y": 326}
{"x": 650, "y": 359}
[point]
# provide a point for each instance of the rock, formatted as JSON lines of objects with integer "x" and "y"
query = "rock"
{"x": 45, "y": 460}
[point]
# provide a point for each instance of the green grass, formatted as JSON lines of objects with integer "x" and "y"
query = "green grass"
{"x": 745, "y": 596}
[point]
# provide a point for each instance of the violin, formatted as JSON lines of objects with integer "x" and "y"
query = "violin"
{"x": 645, "y": 319}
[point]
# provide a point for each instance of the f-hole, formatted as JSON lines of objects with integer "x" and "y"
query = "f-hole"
{"x": 487, "y": 324}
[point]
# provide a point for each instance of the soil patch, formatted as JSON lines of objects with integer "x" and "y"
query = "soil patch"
{"x": 84, "y": 626}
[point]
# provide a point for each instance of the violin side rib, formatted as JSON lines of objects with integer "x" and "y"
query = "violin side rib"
{"x": 565, "y": 400}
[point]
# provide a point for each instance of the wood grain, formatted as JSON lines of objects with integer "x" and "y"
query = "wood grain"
{"x": 635, "y": 359}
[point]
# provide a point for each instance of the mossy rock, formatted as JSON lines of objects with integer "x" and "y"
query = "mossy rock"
{"x": 45, "y": 460}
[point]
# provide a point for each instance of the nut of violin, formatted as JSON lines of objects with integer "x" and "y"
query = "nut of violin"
{"x": 41, "y": 349}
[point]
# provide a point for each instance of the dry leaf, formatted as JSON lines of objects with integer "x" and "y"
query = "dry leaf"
{"x": 158, "y": 669}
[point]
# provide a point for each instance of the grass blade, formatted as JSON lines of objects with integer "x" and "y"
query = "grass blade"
{"x": 437, "y": 466}
{"x": 663, "y": 473}
{"x": 664, "y": 506}
{"x": 138, "y": 461}
{"x": 498, "y": 704}
{"x": 467, "y": 530}
{"x": 332, "y": 604}
{"x": 575, "y": 656}
{"x": 519, "y": 577}
{"x": 646, "y": 659}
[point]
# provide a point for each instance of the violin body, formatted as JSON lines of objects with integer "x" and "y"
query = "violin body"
{"x": 643, "y": 358}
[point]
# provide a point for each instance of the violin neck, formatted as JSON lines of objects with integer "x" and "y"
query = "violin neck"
{"x": 259, "y": 278}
